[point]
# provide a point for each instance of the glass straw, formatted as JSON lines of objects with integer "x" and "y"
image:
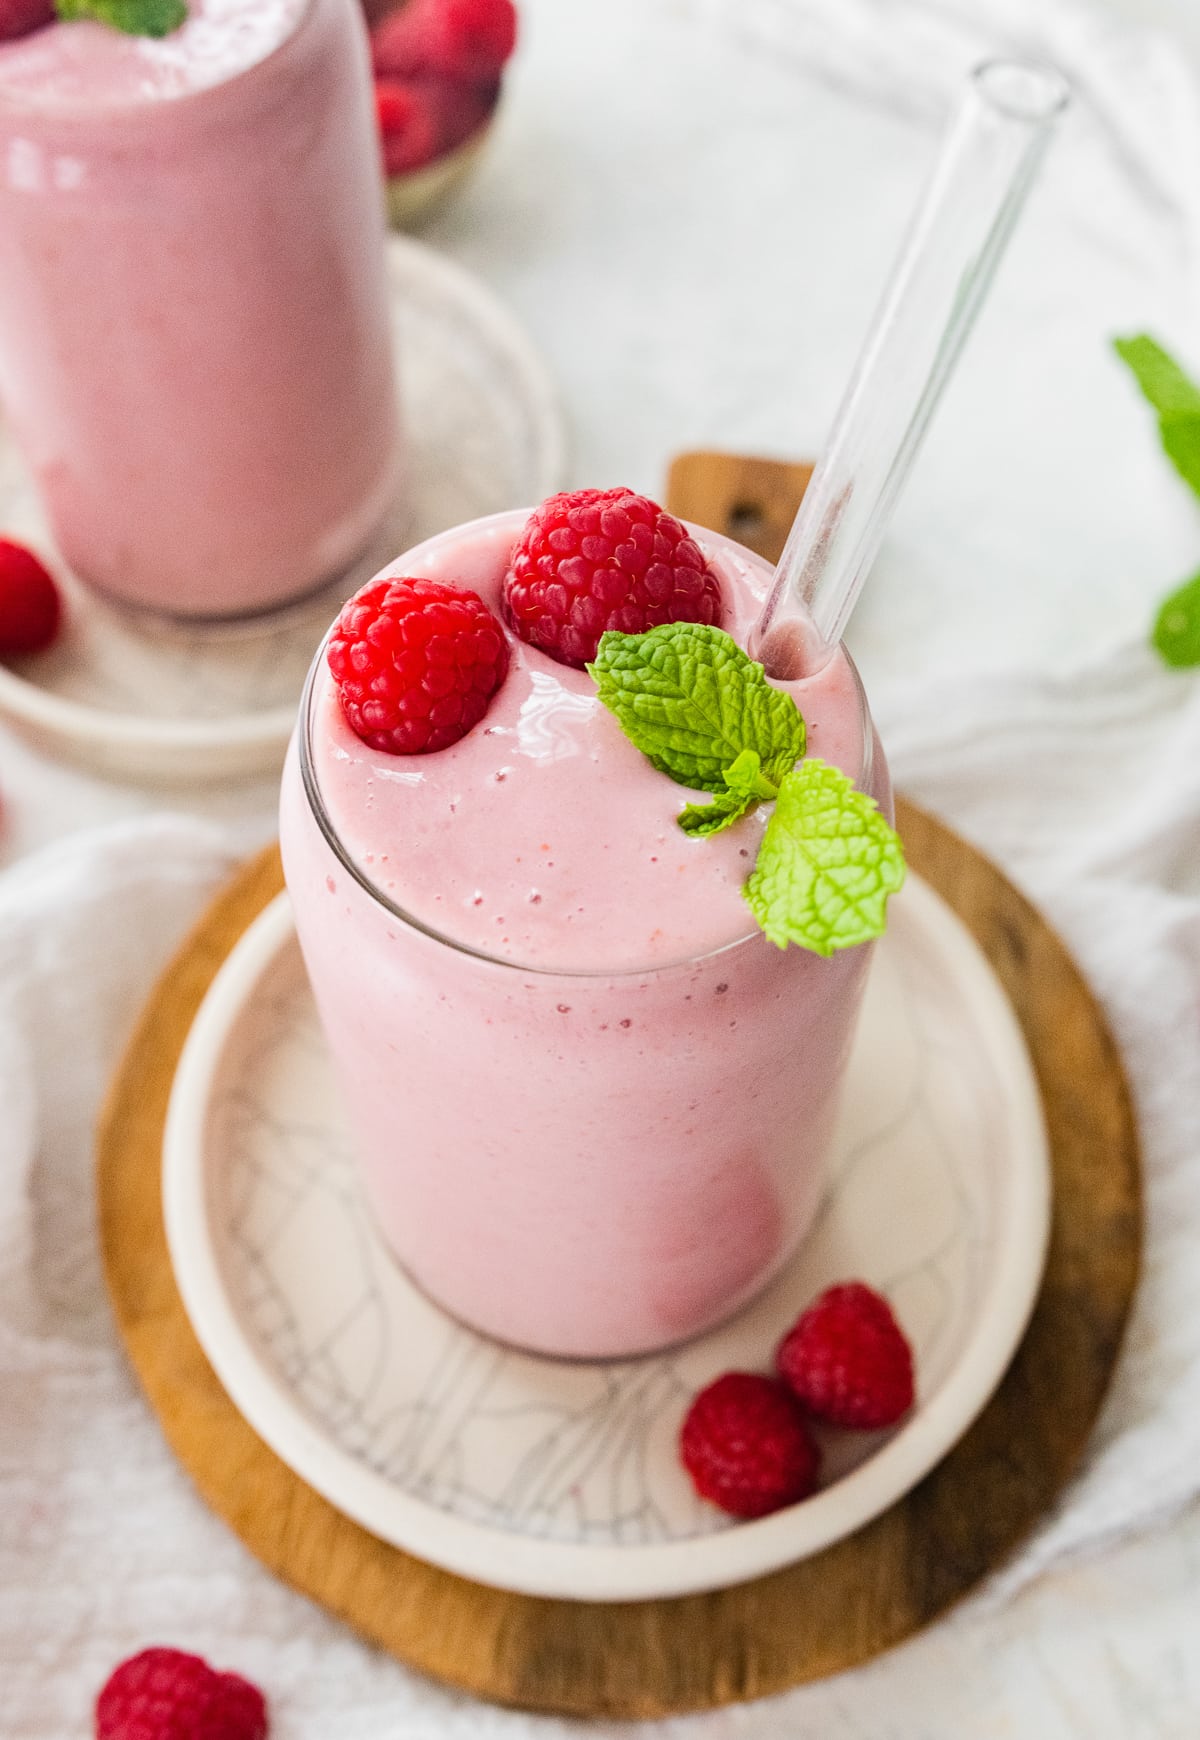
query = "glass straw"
{"x": 988, "y": 164}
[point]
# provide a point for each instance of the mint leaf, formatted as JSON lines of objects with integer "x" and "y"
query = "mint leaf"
{"x": 1176, "y": 398}
{"x": 701, "y": 820}
{"x": 1176, "y": 633}
{"x": 746, "y": 776}
{"x": 692, "y": 700}
{"x": 134, "y": 17}
{"x": 827, "y": 864}
{"x": 746, "y": 787}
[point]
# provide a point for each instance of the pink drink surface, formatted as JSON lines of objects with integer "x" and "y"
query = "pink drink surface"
{"x": 194, "y": 336}
{"x": 609, "y": 1135}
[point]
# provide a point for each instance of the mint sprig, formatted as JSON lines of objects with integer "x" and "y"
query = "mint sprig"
{"x": 134, "y": 17}
{"x": 704, "y": 713}
{"x": 746, "y": 786}
{"x": 691, "y": 700}
{"x": 827, "y": 864}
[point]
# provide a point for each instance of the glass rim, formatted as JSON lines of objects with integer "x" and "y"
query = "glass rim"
{"x": 325, "y": 825}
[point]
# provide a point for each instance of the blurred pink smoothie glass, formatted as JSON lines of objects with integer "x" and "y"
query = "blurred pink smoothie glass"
{"x": 195, "y": 348}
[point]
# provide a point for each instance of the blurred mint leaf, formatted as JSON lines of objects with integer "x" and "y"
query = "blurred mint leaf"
{"x": 1176, "y": 633}
{"x": 1176, "y": 398}
{"x": 134, "y": 17}
{"x": 827, "y": 865}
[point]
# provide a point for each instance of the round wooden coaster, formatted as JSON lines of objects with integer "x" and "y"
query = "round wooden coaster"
{"x": 655, "y": 1658}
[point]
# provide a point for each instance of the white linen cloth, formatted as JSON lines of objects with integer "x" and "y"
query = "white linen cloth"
{"x": 1037, "y": 724}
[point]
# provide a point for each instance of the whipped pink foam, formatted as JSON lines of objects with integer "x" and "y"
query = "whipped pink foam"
{"x": 544, "y": 836}
{"x": 85, "y": 65}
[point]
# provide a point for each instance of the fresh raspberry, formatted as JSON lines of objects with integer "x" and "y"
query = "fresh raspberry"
{"x": 19, "y": 17}
{"x": 746, "y": 1446}
{"x": 466, "y": 39}
{"x": 847, "y": 1360}
{"x": 600, "y": 559}
{"x": 30, "y": 608}
{"x": 163, "y": 1694}
{"x": 461, "y": 108}
{"x": 423, "y": 117}
{"x": 416, "y": 663}
{"x": 409, "y": 124}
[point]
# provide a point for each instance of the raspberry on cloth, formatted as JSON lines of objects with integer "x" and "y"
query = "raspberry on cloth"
{"x": 166, "y": 1694}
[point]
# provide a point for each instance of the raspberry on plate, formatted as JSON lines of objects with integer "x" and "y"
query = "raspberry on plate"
{"x": 165, "y": 1694}
{"x": 847, "y": 1360}
{"x": 19, "y": 17}
{"x": 416, "y": 663}
{"x": 746, "y": 1446}
{"x": 600, "y": 559}
{"x": 30, "y": 608}
{"x": 464, "y": 39}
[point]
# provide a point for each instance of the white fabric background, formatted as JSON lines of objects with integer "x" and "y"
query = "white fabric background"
{"x": 744, "y": 169}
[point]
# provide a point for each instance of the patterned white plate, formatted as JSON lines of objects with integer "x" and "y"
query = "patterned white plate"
{"x": 562, "y": 1479}
{"x": 143, "y": 697}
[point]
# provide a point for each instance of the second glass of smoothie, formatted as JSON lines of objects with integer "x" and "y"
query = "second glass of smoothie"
{"x": 195, "y": 346}
{"x": 591, "y": 1101}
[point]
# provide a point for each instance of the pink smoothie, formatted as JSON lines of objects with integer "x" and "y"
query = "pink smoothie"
{"x": 194, "y": 336}
{"x": 591, "y": 1101}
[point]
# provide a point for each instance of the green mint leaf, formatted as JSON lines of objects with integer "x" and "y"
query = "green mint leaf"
{"x": 827, "y": 864}
{"x": 1176, "y": 398}
{"x": 134, "y": 17}
{"x": 745, "y": 775}
{"x": 747, "y": 786}
{"x": 701, "y": 820}
{"x": 692, "y": 700}
{"x": 1176, "y": 633}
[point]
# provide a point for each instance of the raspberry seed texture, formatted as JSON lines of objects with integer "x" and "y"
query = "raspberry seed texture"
{"x": 416, "y": 663}
{"x": 847, "y": 1361}
{"x": 746, "y": 1446}
{"x": 165, "y": 1694}
{"x": 600, "y": 559}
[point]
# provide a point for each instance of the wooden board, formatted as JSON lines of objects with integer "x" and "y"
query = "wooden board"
{"x": 816, "y": 1618}
{"x": 819, "y": 1617}
{"x": 753, "y": 501}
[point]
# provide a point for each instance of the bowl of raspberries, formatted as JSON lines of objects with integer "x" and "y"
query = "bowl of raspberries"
{"x": 438, "y": 66}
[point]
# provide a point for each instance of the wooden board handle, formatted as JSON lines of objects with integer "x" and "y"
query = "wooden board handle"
{"x": 753, "y": 501}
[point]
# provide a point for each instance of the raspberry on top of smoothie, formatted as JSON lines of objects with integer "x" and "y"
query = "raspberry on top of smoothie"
{"x": 548, "y": 834}
{"x": 602, "y": 560}
{"x": 416, "y": 663}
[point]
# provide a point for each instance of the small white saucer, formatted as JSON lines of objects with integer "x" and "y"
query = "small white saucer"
{"x": 141, "y": 696}
{"x": 560, "y": 1479}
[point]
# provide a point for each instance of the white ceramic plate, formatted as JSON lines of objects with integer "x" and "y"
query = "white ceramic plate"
{"x": 143, "y": 697}
{"x": 562, "y": 1479}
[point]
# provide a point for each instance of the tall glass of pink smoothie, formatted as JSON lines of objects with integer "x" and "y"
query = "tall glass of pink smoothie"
{"x": 194, "y": 337}
{"x": 591, "y": 1101}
